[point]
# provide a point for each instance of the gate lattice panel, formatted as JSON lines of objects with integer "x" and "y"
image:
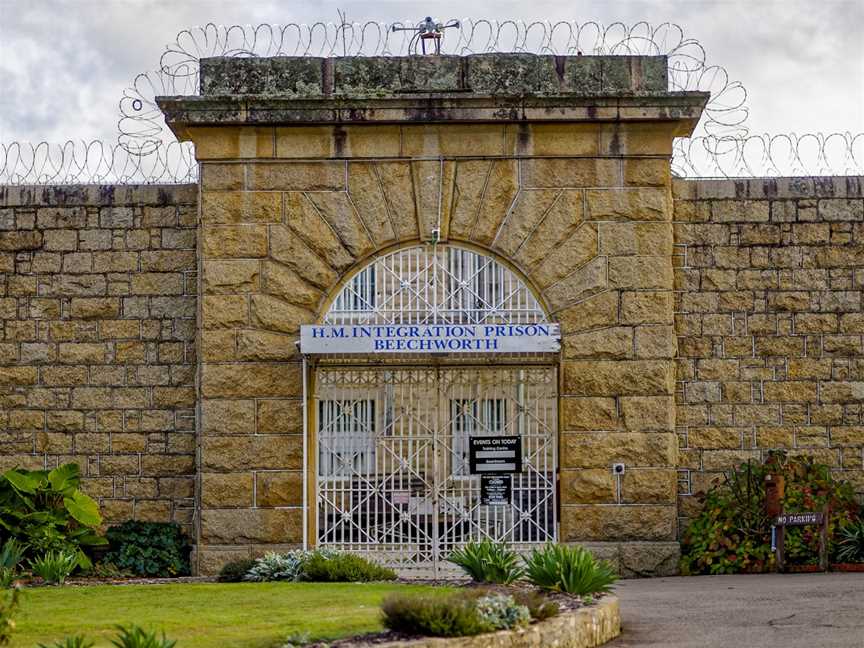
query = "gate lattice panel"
{"x": 392, "y": 458}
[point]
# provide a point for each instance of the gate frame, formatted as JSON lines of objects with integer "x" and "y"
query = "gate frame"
{"x": 310, "y": 440}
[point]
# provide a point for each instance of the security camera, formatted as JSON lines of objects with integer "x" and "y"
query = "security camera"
{"x": 618, "y": 468}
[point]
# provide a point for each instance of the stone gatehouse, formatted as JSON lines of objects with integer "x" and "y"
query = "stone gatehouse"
{"x": 151, "y": 333}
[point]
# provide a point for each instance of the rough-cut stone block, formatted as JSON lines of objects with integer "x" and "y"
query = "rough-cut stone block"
{"x": 614, "y": 522}
{"x": 252, "y": 526}
{"x": 219, "y": 490}
{"x": 258, "y": 452}
{"x": 621, "y": 377}
{"x": 298, "y": 176}
{"x": 251, "y": 380}
{"x": 634, "y": 449}
{"x": 241, "y": 207}
{"x": 279, "y": 488}
{"x": 235, "y": 241}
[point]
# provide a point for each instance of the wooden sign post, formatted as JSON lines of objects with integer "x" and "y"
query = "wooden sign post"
{"x": 806, "y": 518}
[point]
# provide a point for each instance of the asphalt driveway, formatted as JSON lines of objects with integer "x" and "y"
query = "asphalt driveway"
{"x": 782, "y": 611}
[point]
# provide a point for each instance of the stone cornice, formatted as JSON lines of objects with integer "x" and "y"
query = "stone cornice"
{"x": 254, "y": 110}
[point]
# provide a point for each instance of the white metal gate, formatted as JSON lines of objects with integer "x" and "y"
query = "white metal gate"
{"x": 392, "y": 473}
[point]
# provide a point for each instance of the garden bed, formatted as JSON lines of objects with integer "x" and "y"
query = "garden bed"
{"x": 578, "y": 626}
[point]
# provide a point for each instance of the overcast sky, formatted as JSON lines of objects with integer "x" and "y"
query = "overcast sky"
{"x": 64, "y": 64}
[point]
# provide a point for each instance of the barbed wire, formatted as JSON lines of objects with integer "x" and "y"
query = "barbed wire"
{"x": 141, "y": 124}
{"x": 146, "y": 152}
{"x": 96, "y": 162}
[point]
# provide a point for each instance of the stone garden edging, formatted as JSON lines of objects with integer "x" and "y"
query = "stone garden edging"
{"x": 585, "y": 627}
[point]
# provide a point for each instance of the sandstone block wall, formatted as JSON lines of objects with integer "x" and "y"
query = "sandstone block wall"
{"x": 97, "y": 341}
{"x": 584, "y": 211}
{"x": 768, "y": 279}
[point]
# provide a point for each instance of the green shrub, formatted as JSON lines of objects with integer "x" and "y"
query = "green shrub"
{"x": 45, "y": 511}
{"x": 134, "y": 636}
{"x": 454, "y": 615}
{"x": 235, "y": 571}
{"x": 74, "y": 641}
{"x": 12, "y": 553}
{"x": 277, "y": 567}
{"x": 850, "y": 546}
{"x": 501, "y": 612}
{"x": 488, "y": 562}
{"x": 539, "y": 607}
{"x": 55, "y": 566}
{"x": 325, "y": 567}
{"x": 572, "y": 570}
{"x": 149, "y": 548}
{"x": 732, "y": 533}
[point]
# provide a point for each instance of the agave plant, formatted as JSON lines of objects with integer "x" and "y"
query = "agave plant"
{"x": 850, "y": 548}
{"x": 134, "y": 636}
{"x": 488, "y": 562}
{"x": 572, "y": 570}
{"x": 55, "y": 566}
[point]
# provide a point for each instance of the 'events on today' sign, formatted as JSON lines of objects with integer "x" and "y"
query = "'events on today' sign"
{"x": 430, "y": 338}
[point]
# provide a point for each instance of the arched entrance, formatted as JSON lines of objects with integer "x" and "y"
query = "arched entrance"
{"x": 393, "y": 428}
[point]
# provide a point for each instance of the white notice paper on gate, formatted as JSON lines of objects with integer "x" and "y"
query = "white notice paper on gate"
{"x": 430, "y": 338}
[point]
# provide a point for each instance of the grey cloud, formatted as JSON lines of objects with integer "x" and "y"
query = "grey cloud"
{"x": 67, "y": 62}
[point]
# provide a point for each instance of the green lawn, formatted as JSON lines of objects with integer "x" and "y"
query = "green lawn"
{"x": 204, "y": 615}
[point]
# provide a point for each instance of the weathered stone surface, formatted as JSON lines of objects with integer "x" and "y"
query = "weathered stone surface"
{"x": 589, "y": 413}
{"x": 257, "y": 452}
{"x": 588, "y": 280}
{"x": 307, "y": 223}
{"x": 220, "y": 490}
{"x": 368, "y": 198}
{"x": 279, "y": 488}
{"x": 272, "y": 314}
{"x": 649, "y": 559}
{"x": 643, "y": 204}
{"x": 398, "y": 186}
{"x": 557, "y": 226}
{"x": 287, "y": 248}
{"x": 614, "y": 522}
{"x": 623, "y": 377}
{"x": 528, "y": 210}
{"x": 227, "y": 416}
{"x": 241, "y": 207}
{"x": 469, "y": 185}
{"x": 580, "y": 248}
{"x": 634, "y": 449}
{"x": 280, "y": 416}
{"x": 227, "y": 276}
{"x": 283, "y": 282}
{"x": 498, "y": 196}
{"x": 266, "y": 346}
{"x": 297, "y": 176}
{"x": 591, "y": 486}
{"x": 235, "y": 241}
{"x": 251, "y": 380}
{"x": 595, "y": 312}
{"x": 251, "y": 526}
{"x": 570, "y": 173}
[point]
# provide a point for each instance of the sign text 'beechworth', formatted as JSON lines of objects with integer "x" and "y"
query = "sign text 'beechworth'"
{"x": 431, "y": 338}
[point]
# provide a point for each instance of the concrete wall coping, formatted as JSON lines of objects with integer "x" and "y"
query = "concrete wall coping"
{"x": 97, "y": 195}
{"x": 513, "y": 74}
{"x": 768, "y": 188}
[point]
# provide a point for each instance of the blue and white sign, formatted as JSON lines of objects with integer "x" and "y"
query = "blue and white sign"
{"x": 430, "y": 338}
